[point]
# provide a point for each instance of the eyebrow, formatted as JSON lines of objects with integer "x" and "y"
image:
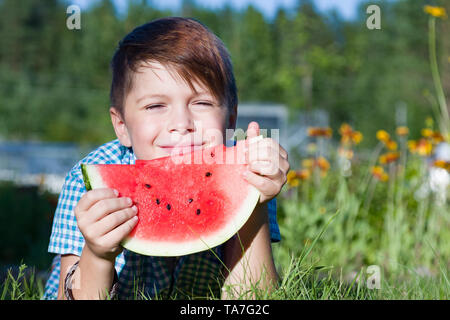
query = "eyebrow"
{"x": 200, "y": 93}
{"x": 150, "y": 96}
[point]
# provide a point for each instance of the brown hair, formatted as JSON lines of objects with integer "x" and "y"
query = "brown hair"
{"x": 185, "y": 45}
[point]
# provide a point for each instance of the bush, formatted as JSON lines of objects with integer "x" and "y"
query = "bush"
{"x": 25, "y": 225}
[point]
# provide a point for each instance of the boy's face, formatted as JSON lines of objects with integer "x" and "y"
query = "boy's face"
{"x": 163, "y": 116}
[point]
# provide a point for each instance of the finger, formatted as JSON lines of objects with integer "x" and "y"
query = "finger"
{"x": 116, "y": 235}
{"x": 266, "y": 168}
{"x": 252, "y": 130}
{"x": 270, "y": 143}
{"x": 283, "y": 151}
{"x": 265, "y": 185}
{"x": 283, "y": 165}
{"x": 93, "y": 196}
{"x": 275, "y": 146}
{"x": 114, "y": 219}
{"x": 105, "y": 207}
{"x": 277, "y": 172}
{"x": 261, "y": 152}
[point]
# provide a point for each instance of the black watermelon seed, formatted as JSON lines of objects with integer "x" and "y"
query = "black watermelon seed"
{"x": 198, "y": 211}
{"x": 208, "y": 174}
{"x": 148, "y": 186}
{"x": 190, "y": 200}
{"x": 212, "y": 154}
{"x": 168, "y": 207}
{"x": 157, "y": 201}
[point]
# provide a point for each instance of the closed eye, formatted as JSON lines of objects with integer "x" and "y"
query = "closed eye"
{"x": 205, "y": 103}
{"x": 154, "y": 106}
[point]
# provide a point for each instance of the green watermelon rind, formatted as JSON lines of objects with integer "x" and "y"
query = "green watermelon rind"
{"x": 92, "y": 180}
{"x": 87, "y": 183}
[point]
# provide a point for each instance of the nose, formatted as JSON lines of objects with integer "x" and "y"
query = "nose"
{"x": 180, "y": 121}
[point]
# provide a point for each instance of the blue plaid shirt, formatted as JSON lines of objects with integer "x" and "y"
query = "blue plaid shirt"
{"x": 194, "y": 275}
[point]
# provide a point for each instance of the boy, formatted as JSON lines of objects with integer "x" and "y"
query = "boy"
{"x": 172, "y": 90}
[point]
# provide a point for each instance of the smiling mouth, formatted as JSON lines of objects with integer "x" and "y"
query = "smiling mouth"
{"x": 183, "y": 149}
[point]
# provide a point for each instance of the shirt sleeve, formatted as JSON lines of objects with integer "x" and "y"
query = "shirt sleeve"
{"x": 65, "y": 237}
{"x": 275, "y": 235}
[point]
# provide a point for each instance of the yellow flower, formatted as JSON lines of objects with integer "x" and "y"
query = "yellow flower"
{"x": 320, "y": 132}
{"x": 292, "y": 179}
{"x": 346, "y": 133}
{"x": 388, "y": 157}
{"x": 402, "y": 131}
{"x": 391, "y": 145}
{"x": 349, "y": 135}
{"x": 422, "y": 147}
{"x": 426, "y": 132}
{"x": 429, "y": 122}
{"x": 303, "y": 174}
{"x": 442, "y": 164}
{"x": 437, "y": 137}
{"x": 378, "y": 173}
{"x": 308, "y": 163}
{"x": 383, "y": 136}
{"x": 357, "y": 137}
{"x": 438, "y": 12}
{"x": 323, "y": 164}
{"x": 345, "y": 129}
{"x": 433, "y": 136}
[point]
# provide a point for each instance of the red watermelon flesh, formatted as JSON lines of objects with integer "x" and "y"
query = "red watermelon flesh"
{"x": 186, "y": 203}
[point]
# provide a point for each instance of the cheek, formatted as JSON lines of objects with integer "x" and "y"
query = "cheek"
{"x": 214, "y": 129}
{"x": 143, "y": 134}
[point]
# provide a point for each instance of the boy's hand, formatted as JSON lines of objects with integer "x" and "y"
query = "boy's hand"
{"x": 105, "y": 220}
{"x": 267, "y": 164}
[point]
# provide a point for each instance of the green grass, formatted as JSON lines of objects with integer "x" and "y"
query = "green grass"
{"x": 21, "y": 286}
{"x": 302, "y": 277}
{"x": 299, "y": 281}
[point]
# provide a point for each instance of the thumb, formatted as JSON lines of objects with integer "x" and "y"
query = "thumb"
{"x": 252, "y": 130}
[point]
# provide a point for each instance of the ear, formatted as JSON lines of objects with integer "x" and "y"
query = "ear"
{"x": 120, "y": 127}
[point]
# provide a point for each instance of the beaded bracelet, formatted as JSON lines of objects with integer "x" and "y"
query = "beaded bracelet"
{"x": 68, "y": 283}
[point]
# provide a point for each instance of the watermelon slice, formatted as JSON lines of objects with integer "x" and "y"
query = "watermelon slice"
{"x": 186, "y": 203}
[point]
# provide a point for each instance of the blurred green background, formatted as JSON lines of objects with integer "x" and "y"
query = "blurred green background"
{"x": 54, "y": 82}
